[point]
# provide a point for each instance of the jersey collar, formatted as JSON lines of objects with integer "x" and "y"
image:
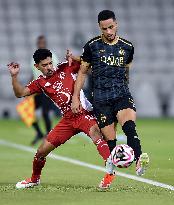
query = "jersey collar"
{"x": 113, "y": 43}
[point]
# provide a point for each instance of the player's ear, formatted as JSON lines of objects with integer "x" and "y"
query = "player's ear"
{"x": 116, "y": 22}
{"x": 36, "y": 66}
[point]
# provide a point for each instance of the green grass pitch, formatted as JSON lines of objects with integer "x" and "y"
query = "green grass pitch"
{"x": 64, "y": 183}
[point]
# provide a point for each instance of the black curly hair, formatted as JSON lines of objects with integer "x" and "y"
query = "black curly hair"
{"x": 41, "y": 54}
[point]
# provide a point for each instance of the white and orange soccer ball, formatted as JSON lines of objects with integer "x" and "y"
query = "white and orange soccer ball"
{"x": 122, "y": 156}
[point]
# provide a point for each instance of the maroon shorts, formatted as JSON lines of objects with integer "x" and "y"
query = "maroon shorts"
{"x": 69, "y": 126}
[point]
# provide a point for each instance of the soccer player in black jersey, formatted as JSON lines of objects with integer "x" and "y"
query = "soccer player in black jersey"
{"x": 109, "y": 56}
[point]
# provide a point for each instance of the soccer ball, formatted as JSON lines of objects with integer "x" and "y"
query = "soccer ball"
{"x": 122, "y": 156}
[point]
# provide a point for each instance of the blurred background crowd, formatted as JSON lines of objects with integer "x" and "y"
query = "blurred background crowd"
{"x": 148, "y": 24}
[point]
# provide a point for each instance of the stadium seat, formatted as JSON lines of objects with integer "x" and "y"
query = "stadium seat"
{"x": 148, "y": 24}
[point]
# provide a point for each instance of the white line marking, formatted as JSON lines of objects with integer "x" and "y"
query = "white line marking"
{"x": 84, "y": 164}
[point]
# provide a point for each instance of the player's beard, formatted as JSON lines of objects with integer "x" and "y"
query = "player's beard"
{"x": 50, "y": 73}
{"x": 111, "y": 37}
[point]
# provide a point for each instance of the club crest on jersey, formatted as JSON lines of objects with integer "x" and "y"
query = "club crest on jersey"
{"x": 121, "y": 52}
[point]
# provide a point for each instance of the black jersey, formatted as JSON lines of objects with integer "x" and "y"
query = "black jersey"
{"x": 108, "y": 63}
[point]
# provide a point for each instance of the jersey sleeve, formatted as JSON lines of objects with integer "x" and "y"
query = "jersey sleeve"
{"x": 87, "y": 54}
{"x": 75, "y": 66}
{"x": 130, "y": 58}
{"x": 34, "y": 87}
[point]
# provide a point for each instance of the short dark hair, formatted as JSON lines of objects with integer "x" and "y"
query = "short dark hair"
{"x": 41, "y": 37}
{"x": 41, "y": 54}
{"x": 105, "y": 15}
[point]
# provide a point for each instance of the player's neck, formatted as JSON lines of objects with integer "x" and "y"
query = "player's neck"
{"x": 110, "y": 42}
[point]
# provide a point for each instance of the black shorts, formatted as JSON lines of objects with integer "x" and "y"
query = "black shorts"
{"x": 106, "y": 112}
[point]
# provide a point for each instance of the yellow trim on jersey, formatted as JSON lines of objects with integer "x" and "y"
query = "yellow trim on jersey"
{"x": 113, "y": 43}
{"x": 95, "y": 40}
{"x": 125, "y": 42}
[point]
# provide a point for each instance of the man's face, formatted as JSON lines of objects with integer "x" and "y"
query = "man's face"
{"x": 109, "y": 29}
{"x": 46, "y": 66}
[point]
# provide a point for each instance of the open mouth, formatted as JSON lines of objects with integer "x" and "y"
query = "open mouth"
{"x": 110, "y": 36}
{"x": 50, "y": 72}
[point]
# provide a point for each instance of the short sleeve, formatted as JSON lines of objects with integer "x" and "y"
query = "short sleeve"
{"x": 34, "y": 87}
{"x": 130, "y": 58}
{"x": 75, "y": 66}
{"x": 86, "y": 55}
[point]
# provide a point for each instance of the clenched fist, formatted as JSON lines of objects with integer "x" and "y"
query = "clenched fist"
{"x": 13, "y": 68}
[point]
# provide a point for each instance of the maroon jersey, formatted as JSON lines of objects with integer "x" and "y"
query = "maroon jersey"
{"x": 59, "y": 87}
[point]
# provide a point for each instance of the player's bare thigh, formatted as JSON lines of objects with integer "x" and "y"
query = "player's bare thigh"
{"x": 90, "y": 127}
{"x": 126, "y": 115}
{"x": 109, "y": 131}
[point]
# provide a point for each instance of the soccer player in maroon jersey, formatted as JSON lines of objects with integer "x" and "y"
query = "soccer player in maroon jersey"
{"x": 58, "y": 84}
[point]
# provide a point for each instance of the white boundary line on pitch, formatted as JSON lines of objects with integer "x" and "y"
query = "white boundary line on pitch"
{"x": 84, "y": 164}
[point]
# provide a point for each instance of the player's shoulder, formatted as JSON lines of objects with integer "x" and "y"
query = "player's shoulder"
{"x": 62, "y": 65}
{"x": 123, "y": 40}
{"x": 94, "y": 39}
{"x": 38, "y": 79}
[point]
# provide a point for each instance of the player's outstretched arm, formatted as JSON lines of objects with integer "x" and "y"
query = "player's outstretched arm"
{"x": 76, "y": 106}
{"x": 70, "y": 57}
{"x": 19, "y": 90}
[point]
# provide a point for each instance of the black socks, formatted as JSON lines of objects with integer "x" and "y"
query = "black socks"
{"x": 132, "y": 137}
{"x": 111, "y": 144}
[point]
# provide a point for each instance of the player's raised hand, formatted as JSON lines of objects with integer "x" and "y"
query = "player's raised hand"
{"x": 13, "y": 68}
{"x": 69, "y": 57}
{"x": 76, "y": 106}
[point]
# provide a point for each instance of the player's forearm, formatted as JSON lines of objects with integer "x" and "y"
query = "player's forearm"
{"x": 17, "y": 87}
{"x": 79, "y": 83}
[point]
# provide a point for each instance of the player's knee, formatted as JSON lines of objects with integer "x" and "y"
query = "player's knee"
{"x": 126, "y": 115}
{"x": 94, "y": 131}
